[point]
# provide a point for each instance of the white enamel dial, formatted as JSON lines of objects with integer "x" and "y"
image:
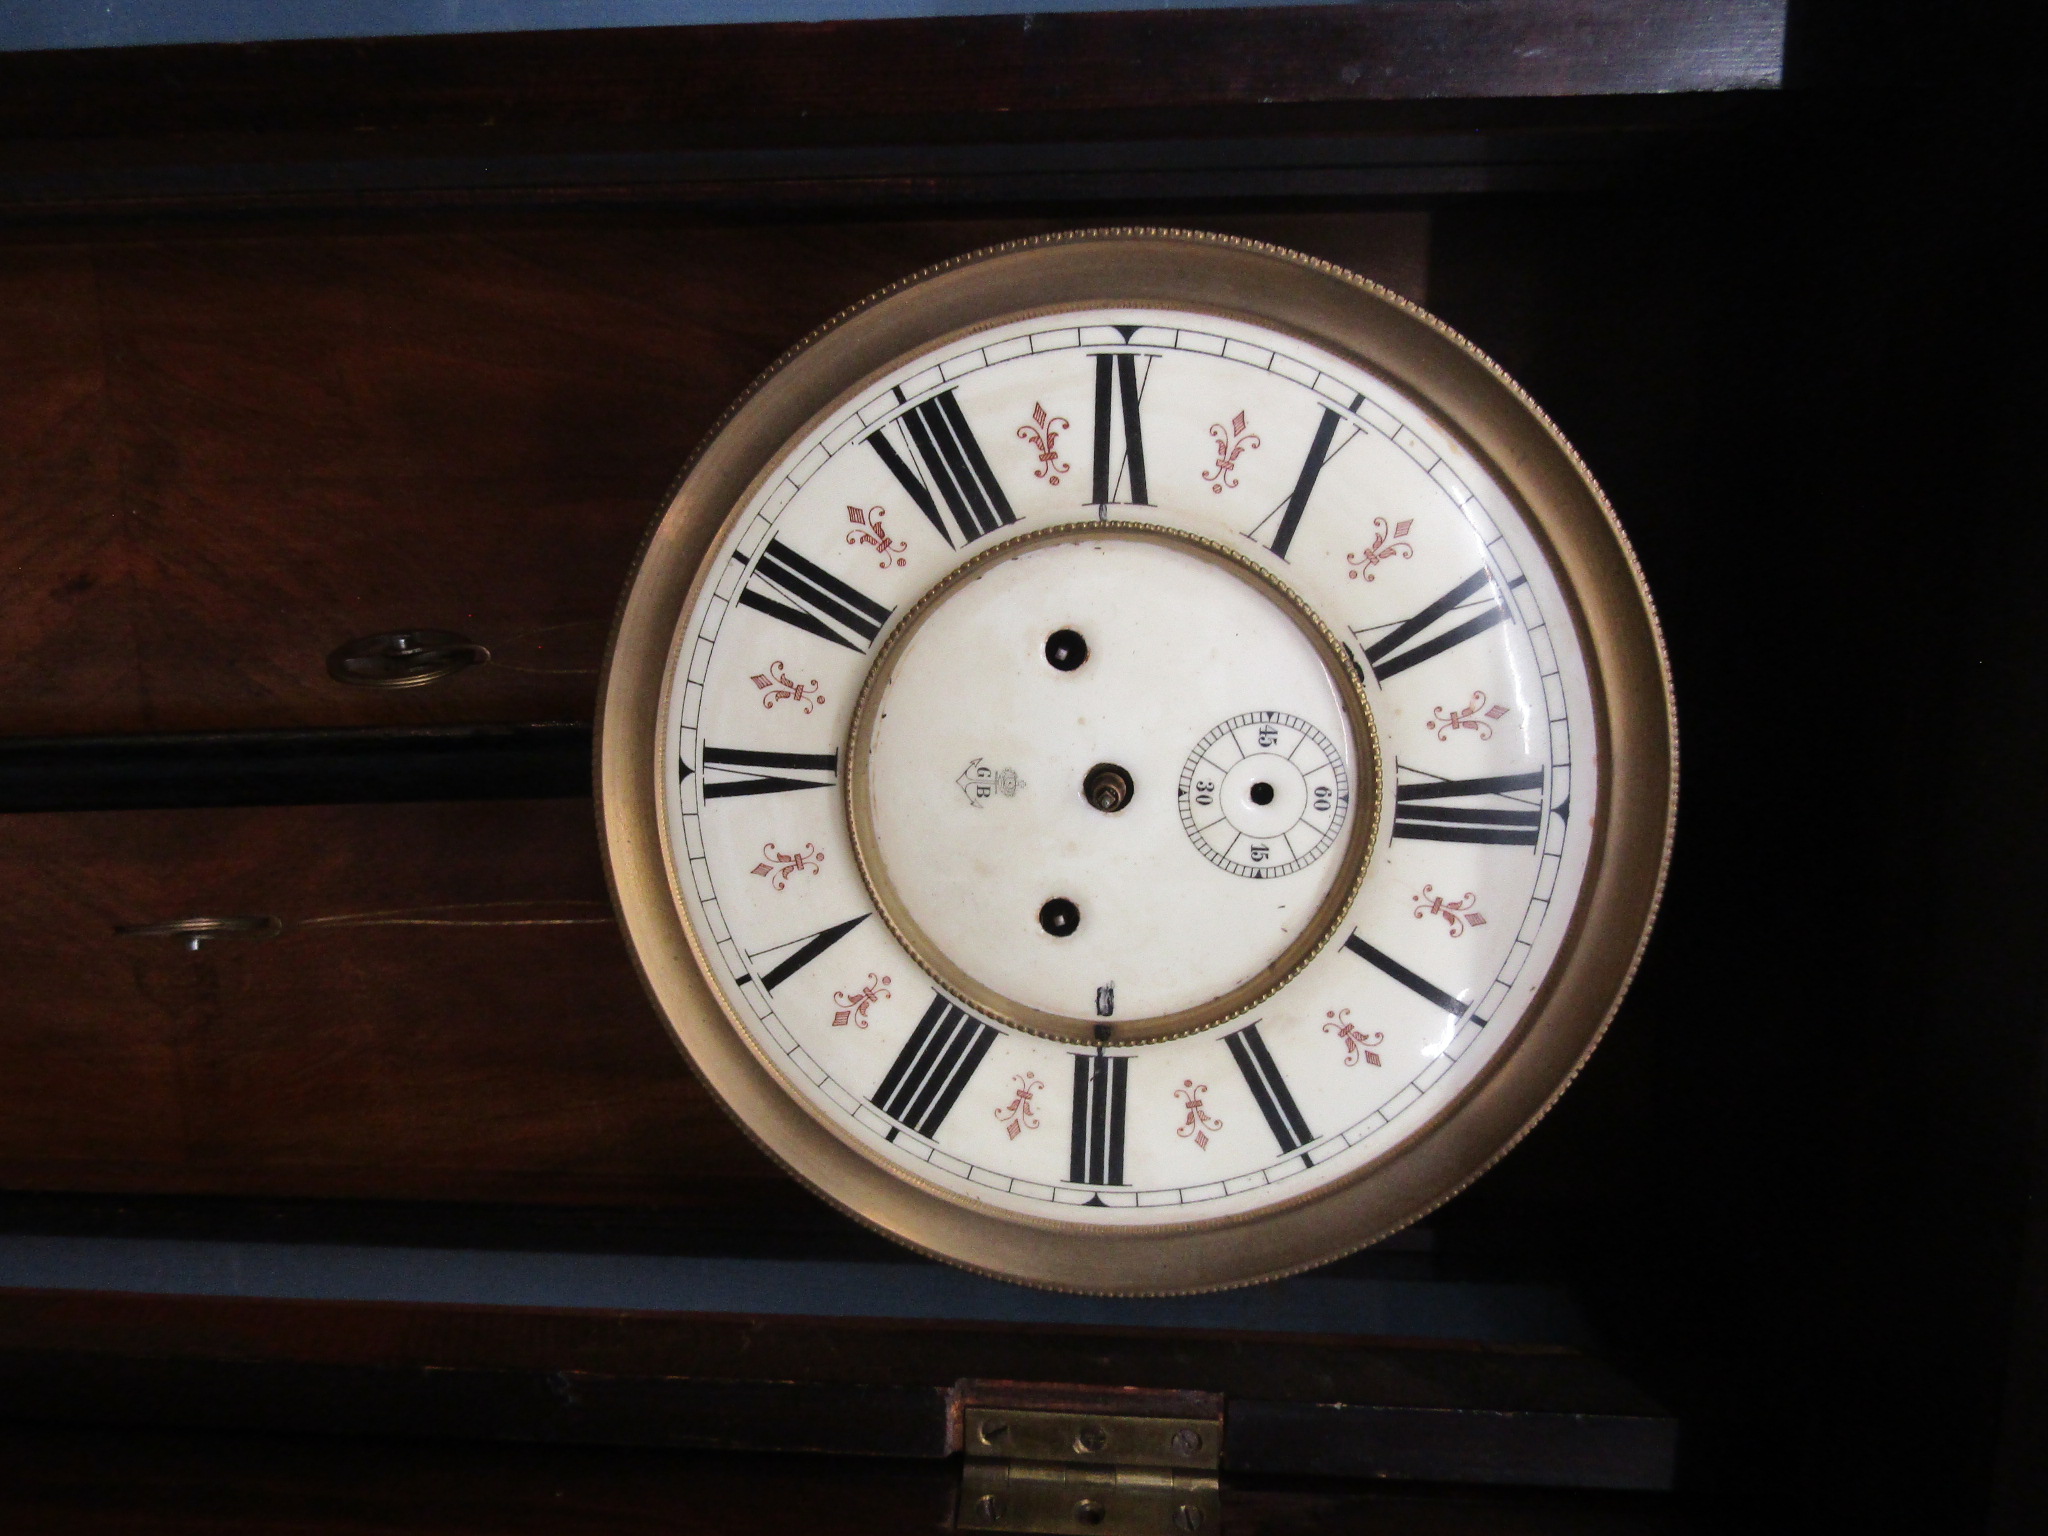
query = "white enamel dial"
{"x": 1358, "y": 747}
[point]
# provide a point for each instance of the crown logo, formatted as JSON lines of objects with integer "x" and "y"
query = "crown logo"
{"x": 981, "y": 783}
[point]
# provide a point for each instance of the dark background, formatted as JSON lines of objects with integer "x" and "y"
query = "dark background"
{"x": 1809, "y": 379}
{"x": 1796, "y": 1174}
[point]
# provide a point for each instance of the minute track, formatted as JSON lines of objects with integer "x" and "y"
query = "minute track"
{"x": 1335, "y": 1111}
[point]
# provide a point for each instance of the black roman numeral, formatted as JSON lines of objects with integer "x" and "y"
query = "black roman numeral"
{"x": 743, "y": 772}
{"x": 1320, "y": 452}
{"x": 944, "y": 465}
{"x": 801, "y": 952}
{"x": 1416, "y": 816}
{"x": 933, "y": 1066}
{"x": 1403, "y": 647}
{"x": 1116, "y": 384}
{"x": 1100, "y": 1082}
{"x": 1388, "y": 964}
{"x": 1283, "y": 1116}
{"x": 787, "y": 586}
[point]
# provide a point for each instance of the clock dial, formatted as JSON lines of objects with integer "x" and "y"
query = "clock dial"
{"x": 926, "y": 608}
{"x": 1131, "y": 768}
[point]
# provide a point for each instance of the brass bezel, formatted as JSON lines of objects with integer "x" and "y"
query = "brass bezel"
{"x": 1361, "y": 837}
{"x": 1376, "y": 331}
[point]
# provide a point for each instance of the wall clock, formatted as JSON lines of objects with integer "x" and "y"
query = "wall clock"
{"x": 1136, "y": 762}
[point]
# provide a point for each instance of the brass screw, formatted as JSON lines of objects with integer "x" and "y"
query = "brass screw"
{"x": 994, "y": 1432}
{"x": 988, "y": 1509}
{"x": 1092, "y": 1437}
{"x": 1088, "y": 1512}
{"x": 1186, "y": 1442}
{"x": 1187, "y": 1518}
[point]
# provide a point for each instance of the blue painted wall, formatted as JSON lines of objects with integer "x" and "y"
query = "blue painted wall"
{"x": 27, "y": 24}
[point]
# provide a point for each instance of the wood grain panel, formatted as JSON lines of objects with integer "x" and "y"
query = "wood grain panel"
{"x": 233, "y": 447}
{"x": 62, "y": 525}
{"x": 490, "y": 1044}
{"x": 98, "y": 1481}
{"x": 808, "y": 76}
{"x": 1330, "y": 1405}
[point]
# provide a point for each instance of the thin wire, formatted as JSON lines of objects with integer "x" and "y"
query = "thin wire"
{"x": 408, "y": 917}
{"x": 448, "y": 922}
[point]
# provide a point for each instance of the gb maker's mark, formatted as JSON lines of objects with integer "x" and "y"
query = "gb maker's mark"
{"x": 981, "y": 783}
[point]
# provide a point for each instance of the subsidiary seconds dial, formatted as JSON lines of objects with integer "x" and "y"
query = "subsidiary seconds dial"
{"x": 1264, "y": 794}
{"x": 1129, "y": 774}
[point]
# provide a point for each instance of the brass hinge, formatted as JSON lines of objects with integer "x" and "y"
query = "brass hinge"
{"x": 1053, "y": 1458}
